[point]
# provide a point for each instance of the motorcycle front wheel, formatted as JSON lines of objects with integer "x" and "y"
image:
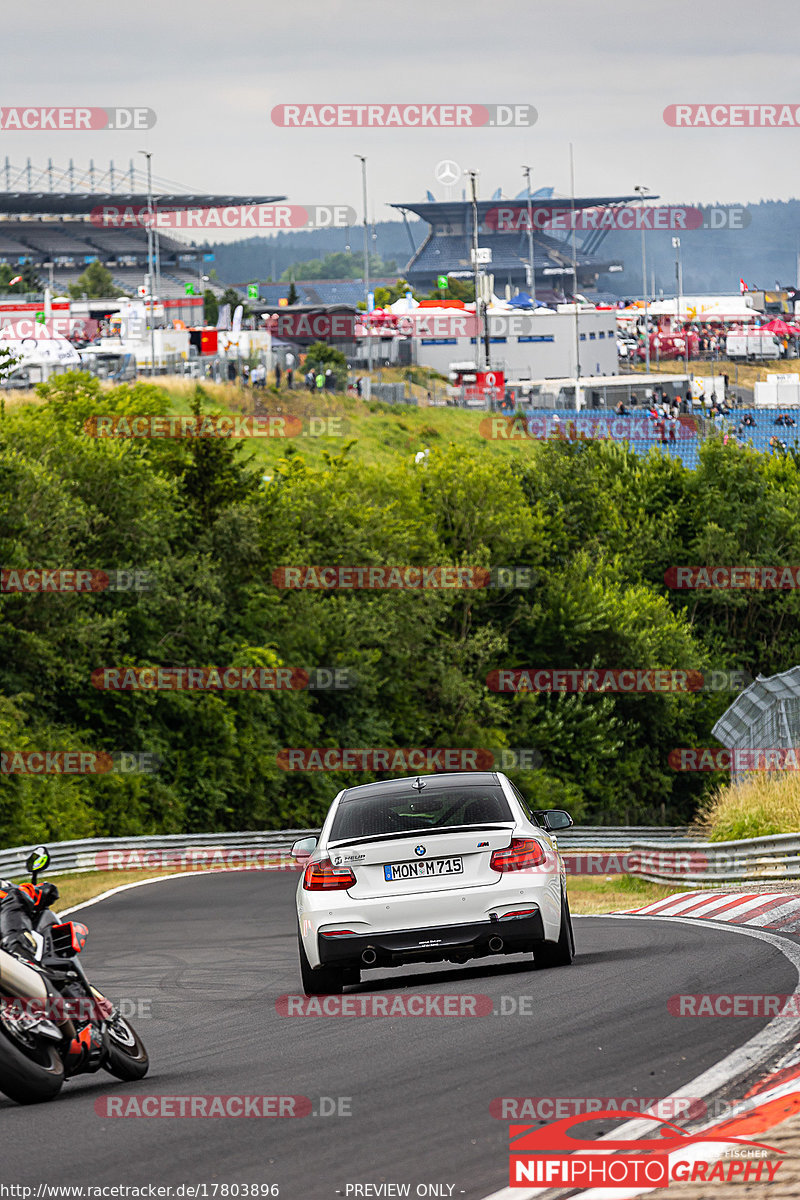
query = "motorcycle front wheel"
{"x": 127, "y": 1058}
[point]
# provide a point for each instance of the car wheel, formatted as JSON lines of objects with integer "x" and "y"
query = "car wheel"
{"x": 562, "y": 952}
{"x": 325, "y": 981}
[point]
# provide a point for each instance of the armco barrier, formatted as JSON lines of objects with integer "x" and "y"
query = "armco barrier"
{"x": 757, "y": 860}
{"x": 84, "y": 855}
{"x": 80, "y": 856}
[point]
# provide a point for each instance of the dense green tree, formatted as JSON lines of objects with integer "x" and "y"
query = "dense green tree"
{"x": 339, "y": 265}
{"x": 96, "y": 283}
{"x": 210, "y": 307}
{"x": 26, "y": 276}
{"x": 596, "y": 526}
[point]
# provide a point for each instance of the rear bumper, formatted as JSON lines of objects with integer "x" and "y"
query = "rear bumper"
{"x": 435, "y": 943}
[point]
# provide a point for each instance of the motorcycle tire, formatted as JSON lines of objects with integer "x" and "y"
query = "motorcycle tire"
{"x": 29, "y": 1075}
{"x": 127, "y": 1058}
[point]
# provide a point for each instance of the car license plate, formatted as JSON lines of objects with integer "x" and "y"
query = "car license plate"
{"x": 423, "y": 870}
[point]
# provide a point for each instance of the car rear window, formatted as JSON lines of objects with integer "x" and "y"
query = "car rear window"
{"x": 377, "y": 815}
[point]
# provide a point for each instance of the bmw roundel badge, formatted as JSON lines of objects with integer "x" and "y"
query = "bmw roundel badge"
{"x": 419, "y": 850}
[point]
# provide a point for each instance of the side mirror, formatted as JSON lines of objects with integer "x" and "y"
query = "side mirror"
{"x": 554, "y": 819}
{"x": 304, "y": 848}
{"x": 38, "y": 860}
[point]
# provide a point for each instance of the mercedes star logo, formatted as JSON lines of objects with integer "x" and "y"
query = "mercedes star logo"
{"x": 447, "y": 172}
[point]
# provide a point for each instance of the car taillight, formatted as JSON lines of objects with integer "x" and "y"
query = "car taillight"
{"x": 323, "y": 876}
{"x": 521, "y": 855}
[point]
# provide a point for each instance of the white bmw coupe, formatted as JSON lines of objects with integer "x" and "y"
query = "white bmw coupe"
{"x": 432, "y": 868}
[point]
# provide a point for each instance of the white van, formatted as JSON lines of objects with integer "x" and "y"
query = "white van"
{"x": 753, "y": 345}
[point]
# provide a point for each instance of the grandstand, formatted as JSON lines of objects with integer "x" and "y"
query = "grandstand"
{"x": 51, "y": 229}
{"x": 447, "y": 248}
{"x": 589, "y": 424}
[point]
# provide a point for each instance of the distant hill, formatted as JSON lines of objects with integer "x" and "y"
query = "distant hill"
{"x": 713, "y": 260}
{"x": 267, "y": 258}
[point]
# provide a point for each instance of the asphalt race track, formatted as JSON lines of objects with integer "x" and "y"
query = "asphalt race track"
{"x": 212, "y": 954}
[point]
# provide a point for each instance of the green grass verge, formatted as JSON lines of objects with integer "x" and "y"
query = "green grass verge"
{"x": 763, "y": 803}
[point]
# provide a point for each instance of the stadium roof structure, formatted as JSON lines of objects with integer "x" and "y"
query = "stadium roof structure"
{"x": 76, "y": 204}
{"x": 447, "y": 251}
{"x": 453, "y": 210}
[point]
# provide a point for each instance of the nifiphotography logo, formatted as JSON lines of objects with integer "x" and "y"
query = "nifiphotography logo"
{"x": 549, "y": 1155}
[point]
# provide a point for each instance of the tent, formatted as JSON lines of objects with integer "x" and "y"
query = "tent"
{"x": 523, "y": 300}
{"x": 780, "y": 327}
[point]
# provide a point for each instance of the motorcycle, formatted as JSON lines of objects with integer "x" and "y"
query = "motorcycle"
{"x": 53, "y": 1024}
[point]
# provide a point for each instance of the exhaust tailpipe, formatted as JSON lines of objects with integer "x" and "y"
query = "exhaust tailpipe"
{"x": 369, "y": 957}
{"x": 495, "y": 944}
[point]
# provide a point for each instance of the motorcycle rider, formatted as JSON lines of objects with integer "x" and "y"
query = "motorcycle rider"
{"x": 20, "y": 905}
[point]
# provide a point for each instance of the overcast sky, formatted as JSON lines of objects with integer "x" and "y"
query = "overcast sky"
{"x": 598, "y": 72}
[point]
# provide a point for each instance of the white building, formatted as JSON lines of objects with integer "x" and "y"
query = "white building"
{"x": 525, "y": 345}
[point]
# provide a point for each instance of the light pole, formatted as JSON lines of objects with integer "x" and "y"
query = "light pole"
{"x": 203, "y": 280}
{"x": 531, "y": 274}
{"x": 676, "y": 243}
{"x": 473, "y": 175}
{"x": 366, "y": 259}
{"x": 642, "y": 190}
{"x": 578, "y": 397}
{"x": 148, "y": 156}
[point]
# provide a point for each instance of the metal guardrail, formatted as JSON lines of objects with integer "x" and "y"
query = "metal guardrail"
{"x": 665, "y": 855}
{"x": 760, "y": 860}
{"x": 610, "y": 837}
{"x": 265, "y": 847}
{"x": 179, "y": 849}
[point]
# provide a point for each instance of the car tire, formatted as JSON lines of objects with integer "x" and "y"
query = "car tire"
{"x": 562, "y": 952}
{"x": 325, "y": 981}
